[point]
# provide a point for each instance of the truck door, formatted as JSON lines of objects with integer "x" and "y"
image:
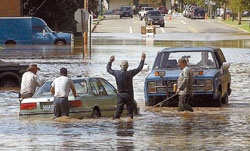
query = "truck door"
{"x": 41, "y": 35}
{"x": 224, "y": 77}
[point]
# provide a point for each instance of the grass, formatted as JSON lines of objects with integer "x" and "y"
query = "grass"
{"x": 245, "y": 23}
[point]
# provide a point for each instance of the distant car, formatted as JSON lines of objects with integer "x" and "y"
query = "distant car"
{"x": 198, "y": 13}
{"x": 246, "y": 13}
{"x": 109, "y": 12}
{"x": 97, "y": 97}
{"x": 154, "y": 17}
{"x": 163, "y": 10}
{"x": 211, "y": 82}
{"x": 126, "y": 11}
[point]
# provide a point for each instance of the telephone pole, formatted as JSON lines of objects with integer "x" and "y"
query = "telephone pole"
{"x": 85, "y": 36}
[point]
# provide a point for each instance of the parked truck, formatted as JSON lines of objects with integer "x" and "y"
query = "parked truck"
{"x": 30, "y": 30}
{"x": 11, "y": 74}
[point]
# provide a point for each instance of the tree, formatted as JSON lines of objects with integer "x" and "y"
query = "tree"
{"x": 58, "y": 14}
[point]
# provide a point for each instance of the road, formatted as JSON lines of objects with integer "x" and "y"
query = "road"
{"x": 113, "y": 24}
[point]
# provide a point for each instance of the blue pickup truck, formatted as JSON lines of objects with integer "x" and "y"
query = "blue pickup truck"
{"x": 211, "y": 77}
{"x": 30, "y": 30}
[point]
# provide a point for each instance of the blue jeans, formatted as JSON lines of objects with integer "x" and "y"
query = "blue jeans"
{"x": 61, "y": 106}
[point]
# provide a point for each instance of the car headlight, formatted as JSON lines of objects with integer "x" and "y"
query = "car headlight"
{"x": 208, "y": 84}
{"x": 151, "y": 87}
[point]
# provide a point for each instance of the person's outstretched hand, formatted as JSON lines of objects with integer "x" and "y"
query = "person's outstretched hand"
{"x": 143, "y": 56}
{"x": 112, "y": 58}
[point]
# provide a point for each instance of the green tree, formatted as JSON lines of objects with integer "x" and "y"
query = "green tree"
{"x": 238, "y": 6}
{"x": 58, "y": 14}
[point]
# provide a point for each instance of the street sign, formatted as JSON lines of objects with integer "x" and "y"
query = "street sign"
{"x": 82, "y": 27}
{"x": 81, "y": 15}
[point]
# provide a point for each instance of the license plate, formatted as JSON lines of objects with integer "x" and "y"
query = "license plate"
{"x": 47, "y": 106}
{"x": 156, "y": 22}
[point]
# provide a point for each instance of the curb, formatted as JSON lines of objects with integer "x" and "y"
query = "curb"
{"x": 93, "y": 28}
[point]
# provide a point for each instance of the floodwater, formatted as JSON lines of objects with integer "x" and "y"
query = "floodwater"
{"x": 225, "y": 128}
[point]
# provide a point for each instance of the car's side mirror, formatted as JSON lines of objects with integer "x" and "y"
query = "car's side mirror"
{"x": 225, "y": 65}
{"x": 44, "y": 32}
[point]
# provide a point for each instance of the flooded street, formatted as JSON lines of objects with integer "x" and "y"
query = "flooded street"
{"x": 225, "y": 128}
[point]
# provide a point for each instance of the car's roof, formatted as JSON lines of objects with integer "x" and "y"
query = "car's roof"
{"x": 180, "y": 49}
{"x": 79, "y": 78}
{"x": 147, "y": 7}
{"x": 153, "y": 11}
{"x": 125, "y": 6}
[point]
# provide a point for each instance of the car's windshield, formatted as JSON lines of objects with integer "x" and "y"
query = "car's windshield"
{"x": 80, "y": 86}
{"x": 198, "y": 59}
{"x": 154, "y": 13}
{"x": 149, "y": 8}
{"x": 125, "y": 9}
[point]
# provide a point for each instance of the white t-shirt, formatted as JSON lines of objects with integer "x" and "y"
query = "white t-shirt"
{"x": 62, "y": 86}
{"x": 29, "y": 83}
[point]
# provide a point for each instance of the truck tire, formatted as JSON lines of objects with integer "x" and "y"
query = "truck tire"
{"x": 218, "y": 101}
{"x": 60, "y": 42}
{"x": 10, "y": 79}
{"x": 225, "y": 99}
{"x": 10, "y": 42}
{"x": 151, "y": 102}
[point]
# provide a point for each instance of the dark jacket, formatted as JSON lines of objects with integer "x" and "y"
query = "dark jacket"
{"x": 124, "y": 79}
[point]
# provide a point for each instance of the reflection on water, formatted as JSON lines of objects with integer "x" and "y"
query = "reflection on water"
{"x": 52, "y": 51}
{"x": 224, "y": 128}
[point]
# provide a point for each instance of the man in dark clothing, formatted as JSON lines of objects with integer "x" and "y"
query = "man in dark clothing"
{"x": 124, "y": 82}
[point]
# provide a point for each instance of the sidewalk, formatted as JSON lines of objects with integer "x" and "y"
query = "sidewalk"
{"x": 94, "y": 24}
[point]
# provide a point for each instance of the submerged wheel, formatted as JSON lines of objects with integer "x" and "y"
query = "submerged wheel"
{"x": 9, "y": 79}
{"x": 225, "y": 99}
{"x": 151, "y": 102}
{"x": 95, "y": 114}
{"x": 218, "y": 101}
{"x": 60, "y": 43}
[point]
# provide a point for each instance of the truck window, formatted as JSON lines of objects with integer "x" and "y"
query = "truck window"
{"x": 220, "y": 57}
{"x": 37, "y": 29}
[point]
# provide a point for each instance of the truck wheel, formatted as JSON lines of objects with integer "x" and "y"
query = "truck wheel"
{"x": 225, "y": 99}
{"x": 162, "y": 25}
{"x": 218, "y": 101}
{"x": 151, "y": 102}
{"x": 60, "y": 43}
{"x": 9, "y": 79}
{"x": 11, "y": 42}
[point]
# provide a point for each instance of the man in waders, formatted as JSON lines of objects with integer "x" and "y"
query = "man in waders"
{"x": 184, "y": 89}
{"x": 124, "y": 82}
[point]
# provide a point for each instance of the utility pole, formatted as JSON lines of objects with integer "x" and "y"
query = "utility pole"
{"x": 85, "y": 36}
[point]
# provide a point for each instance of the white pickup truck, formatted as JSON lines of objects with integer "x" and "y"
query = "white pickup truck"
{"x": 143, "y": 11}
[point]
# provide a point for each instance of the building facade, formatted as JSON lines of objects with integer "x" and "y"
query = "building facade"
{"x": 10, "y": 8}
